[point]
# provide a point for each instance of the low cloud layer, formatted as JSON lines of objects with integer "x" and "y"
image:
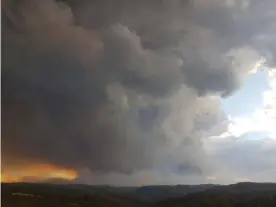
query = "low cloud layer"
{"x": 243, "y": 158}
{"x": 128, "y": 86}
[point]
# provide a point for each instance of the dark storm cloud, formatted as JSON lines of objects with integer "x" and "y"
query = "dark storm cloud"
{"x": 119, "y": 87}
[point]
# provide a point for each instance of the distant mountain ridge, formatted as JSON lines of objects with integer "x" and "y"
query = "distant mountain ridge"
{"x": 244, "y": 194}
{"x": 145, "y": 193}
{"x": 159, "y": 193}
{"x": 177, "y": 195}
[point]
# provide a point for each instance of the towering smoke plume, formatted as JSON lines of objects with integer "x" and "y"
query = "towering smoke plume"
{"x": 123, "y": 86}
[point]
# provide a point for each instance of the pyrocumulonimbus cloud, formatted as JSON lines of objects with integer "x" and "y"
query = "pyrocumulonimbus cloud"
{"x": 125, "y": 86}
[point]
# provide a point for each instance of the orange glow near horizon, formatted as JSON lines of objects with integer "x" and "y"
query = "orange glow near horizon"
{"x": 36, "y": 173}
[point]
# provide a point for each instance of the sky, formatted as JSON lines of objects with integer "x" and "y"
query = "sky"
{"x": 250, "y": 141}
{"x": 138, "y": 92}
{"x": 249, "y": 97}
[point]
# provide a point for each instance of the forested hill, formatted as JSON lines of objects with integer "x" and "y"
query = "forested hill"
{"x": 236, "y": 195}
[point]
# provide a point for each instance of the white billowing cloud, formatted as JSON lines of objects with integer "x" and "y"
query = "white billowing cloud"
{"x": 245, "y": 59}
{"x": 259, "y": 121}
{"x": 245, "y": 159}
{"x": 263, "y": 119}
{"x": 269, "y": 100}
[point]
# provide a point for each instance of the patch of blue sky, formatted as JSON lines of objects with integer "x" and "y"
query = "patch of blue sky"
{"x": 249, "y": 97}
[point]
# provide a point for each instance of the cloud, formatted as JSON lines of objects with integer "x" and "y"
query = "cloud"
{"x": 244, "y": 158}
{"x": 123, "y": 87}
{"x": 248, "y": 145}
{"x": 140, "y": 178}
{"x": 261, "y": 119}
